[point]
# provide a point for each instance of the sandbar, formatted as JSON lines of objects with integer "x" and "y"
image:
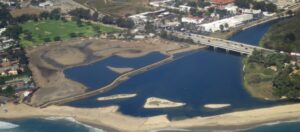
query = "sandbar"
{"x": 216, "y": 106}
{"x": 120, "y": 70}
{"x": 117, "y": 96}
{"x": 154, "y": 102}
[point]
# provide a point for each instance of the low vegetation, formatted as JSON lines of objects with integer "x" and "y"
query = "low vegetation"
{"x": 284, "y": 36}
{"x": 272, "y": 76}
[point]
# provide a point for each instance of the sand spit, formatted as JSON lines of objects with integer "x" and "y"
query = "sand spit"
{"x": 108, "y": 116}
{"x": 120, "y": 70}
{"x": 117, "y": 96}
{"x": 216, "y": 106}
{"x": 154, "y": 102}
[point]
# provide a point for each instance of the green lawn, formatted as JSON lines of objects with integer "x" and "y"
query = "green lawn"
{"x": 55, "y": 28}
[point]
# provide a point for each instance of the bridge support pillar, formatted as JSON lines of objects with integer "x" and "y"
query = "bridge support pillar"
{"x": 227, "y": 51}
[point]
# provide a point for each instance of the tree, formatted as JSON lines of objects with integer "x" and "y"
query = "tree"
{"x": 47, "y": 40}
{"x": 9, "y": 91}
{"x": 55, "y": 14}
{"x": 28, "y": 36}
{"x": 95, "y": 16}
{"x": 5, "y": 16}
{"x": 57, "y": 38}
{"x": 289, "y": 38}
{"x": 108, "y": 19}
{"x": 226, "y": 25}
{"x": 290, "y": 12}
{"x": 125, "y": 23}
{"x": 13, "y": 31}
{"x": 73, "y": 35}
{"x": 149, "y": 28}
{"x": 44, "y": 15}
{"x": 80, "y": 13}
{"x": 79, "y": 23}
{"x": 222, "y": 28}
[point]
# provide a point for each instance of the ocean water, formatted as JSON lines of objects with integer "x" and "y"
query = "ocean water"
{"x": 46, "y": 125}
{"x": 204, "y": 77}
{"x": 197, "y": 79}
{"x": 291, "y": 126}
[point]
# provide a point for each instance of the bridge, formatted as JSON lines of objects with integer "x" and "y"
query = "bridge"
{"x": 227, "y": 45}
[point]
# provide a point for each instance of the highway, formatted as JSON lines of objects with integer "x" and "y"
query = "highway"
{"x": 221, "y": 43}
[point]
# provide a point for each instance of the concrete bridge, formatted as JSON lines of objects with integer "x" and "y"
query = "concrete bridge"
{"x": 221, "y": 43}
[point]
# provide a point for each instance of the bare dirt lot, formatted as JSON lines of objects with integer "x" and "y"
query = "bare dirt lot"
{"x": 49, "y": 61}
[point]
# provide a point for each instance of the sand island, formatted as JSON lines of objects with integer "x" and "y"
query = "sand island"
{"x": 117, "y": 96}
{"x": 154, "y": 102}
{"x": 216, "y": 106}
{"x": 120, "y": 70}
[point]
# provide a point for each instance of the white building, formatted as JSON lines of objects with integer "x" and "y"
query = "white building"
{"x": 158, "y": 3}
{"x": 194, "y": 20}
{"x": 231, "y": 8}
{"x": 45, "y": 4}
{"x": 184, "y": 8}
{"x": 231, "y": 22}
{"x": 251, "y": 11}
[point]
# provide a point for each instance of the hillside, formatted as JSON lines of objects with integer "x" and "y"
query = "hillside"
{"x": 284, "y": 36}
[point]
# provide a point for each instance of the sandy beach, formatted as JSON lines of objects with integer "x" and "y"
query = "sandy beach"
{"x": 109, "y": 117}
{"x": 48, "y": 62}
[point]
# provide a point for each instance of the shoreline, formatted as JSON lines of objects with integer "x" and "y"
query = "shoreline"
{"x": 108, "y": 118}
{"x": 123, "y": 77}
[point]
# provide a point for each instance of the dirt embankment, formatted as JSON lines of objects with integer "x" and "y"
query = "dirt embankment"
{"x": 48, "y": 62}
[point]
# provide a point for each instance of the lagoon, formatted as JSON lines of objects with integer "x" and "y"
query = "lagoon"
{"x": 97, "y": 75}
{"x": 197, "y": 79}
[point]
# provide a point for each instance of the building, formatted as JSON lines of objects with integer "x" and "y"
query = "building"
{"x": 46, "y": 4}
{"x": 184, "y": 8}
{"x": 231, "y": 22}
{"x": 194, "y": 20}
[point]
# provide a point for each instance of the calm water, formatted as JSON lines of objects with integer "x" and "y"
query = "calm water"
{"x": 97, "y": 75}
{"x": 205, "y": 77}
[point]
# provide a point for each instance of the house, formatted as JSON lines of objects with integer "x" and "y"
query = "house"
{"x": 184, "y": 8}
{"x": 46, "y": 4}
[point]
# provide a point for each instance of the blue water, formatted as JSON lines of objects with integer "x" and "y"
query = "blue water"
{"x": 43, "y": 125}
{"x": 197, "y": 79}
{"x": 97, "y": 75}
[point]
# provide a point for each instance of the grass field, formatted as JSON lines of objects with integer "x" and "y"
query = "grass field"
{"x": 49, "y": 29}
{"x": 117, "y": 7}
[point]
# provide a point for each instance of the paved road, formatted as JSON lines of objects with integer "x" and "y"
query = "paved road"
{"x": 221, "y": 43}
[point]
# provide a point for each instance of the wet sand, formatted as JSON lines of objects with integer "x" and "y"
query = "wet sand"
{"x": 109, "y": 117}
{"x": 48, "y": 62}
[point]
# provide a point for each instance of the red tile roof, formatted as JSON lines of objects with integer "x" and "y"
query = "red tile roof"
{"x": 222, "y": 2}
